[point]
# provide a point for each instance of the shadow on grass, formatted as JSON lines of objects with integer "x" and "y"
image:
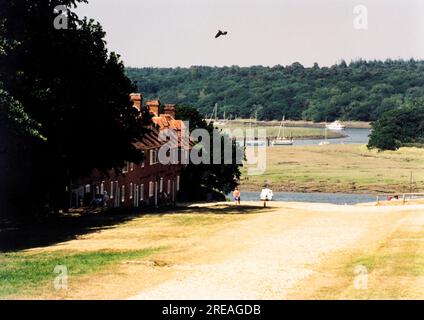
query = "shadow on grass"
{"x": 48, "y": 231}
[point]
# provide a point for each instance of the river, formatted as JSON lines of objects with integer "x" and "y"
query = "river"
{"x": 354, "y": 136}
{"x": 315, "y": 197}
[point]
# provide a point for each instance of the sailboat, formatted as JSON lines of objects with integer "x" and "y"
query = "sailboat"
{"x": 215, "y": 120}
{"x": 282, "y": 140}
{"x": 325, "y": 142}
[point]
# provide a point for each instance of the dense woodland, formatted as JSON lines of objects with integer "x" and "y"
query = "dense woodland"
{"x": 361, "y": 90}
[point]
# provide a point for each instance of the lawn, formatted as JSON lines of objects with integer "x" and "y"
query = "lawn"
{"x": 339, "y": 168}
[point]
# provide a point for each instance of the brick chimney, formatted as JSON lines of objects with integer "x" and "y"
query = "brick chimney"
{"x": 137, "y": 100}
{"x": 153, "y": 106}
{"x": 170, "y": 110}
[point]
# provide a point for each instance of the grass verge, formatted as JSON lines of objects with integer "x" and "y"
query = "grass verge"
{"x": 22, "y": 273}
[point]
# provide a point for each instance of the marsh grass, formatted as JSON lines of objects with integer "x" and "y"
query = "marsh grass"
{"x": 340, "y": 168}
{"x": 295, "y": 132}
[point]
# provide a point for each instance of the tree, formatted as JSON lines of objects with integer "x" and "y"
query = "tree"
{"x": 66, "y": 81}
{"x": 398, "y": 127}
{"x": 207, "y": 178}
{"x": 15, "y": 127}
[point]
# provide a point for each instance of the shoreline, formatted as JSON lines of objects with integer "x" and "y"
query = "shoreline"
{"x": 302, "y": 123}
{"x": 320, "y": 188}
{"x": 333, "y": 136}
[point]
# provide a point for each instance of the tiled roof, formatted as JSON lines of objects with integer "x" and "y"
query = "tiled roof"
{"x": 151, "y": 139}
{"x": 159, "y": 123}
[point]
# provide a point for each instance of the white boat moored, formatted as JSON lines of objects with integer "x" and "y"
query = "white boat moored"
{"x": 335, "y": 126}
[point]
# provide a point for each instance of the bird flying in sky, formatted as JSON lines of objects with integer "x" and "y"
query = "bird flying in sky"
{"x": 221, "y": 33}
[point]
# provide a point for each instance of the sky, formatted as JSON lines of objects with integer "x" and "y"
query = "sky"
{"x": 172, "y": 33}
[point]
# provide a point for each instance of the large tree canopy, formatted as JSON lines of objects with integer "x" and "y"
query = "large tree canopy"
{"x": 362, "y": 90}
{"x": 76, "y": 92}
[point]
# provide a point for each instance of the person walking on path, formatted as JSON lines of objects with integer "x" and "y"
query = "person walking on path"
{"x": 106, "y": 199}
{"x": 236, "y": 196}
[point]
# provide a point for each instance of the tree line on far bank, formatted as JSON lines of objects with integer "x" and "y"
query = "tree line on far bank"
{"x": 361, "y": 90}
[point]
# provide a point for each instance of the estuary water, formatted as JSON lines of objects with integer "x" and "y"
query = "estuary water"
{"x": 354, "y": 136}
{"x": 315, "y": 197}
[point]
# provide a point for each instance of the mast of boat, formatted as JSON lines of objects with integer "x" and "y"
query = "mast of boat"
{"x": 279, "y": 129}
{"x": 211, "y": 118}
{"x": 325, "y": 131}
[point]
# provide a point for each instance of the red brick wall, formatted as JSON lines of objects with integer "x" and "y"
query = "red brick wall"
{"x": 133, "y": 177}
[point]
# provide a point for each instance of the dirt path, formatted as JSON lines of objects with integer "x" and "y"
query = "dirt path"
{"x": 268, "y": 255}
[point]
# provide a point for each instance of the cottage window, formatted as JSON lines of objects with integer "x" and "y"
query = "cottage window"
{"x": 123, "y": 194}
{"x": 125, "y": 168}
{"x": 161, "y": 185}
{"x": 151, "y": 189}
{"x": 143, "y": 162}
{"x": 141, "y": 192}
{"x": 131, "y": 190}
{"x": 169, "y": 186}
{"x": 153, "y": 156}
{"x": 132, "y": 166}
{"x": 102, "y": 187}
{"x": 87, "y": 188}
